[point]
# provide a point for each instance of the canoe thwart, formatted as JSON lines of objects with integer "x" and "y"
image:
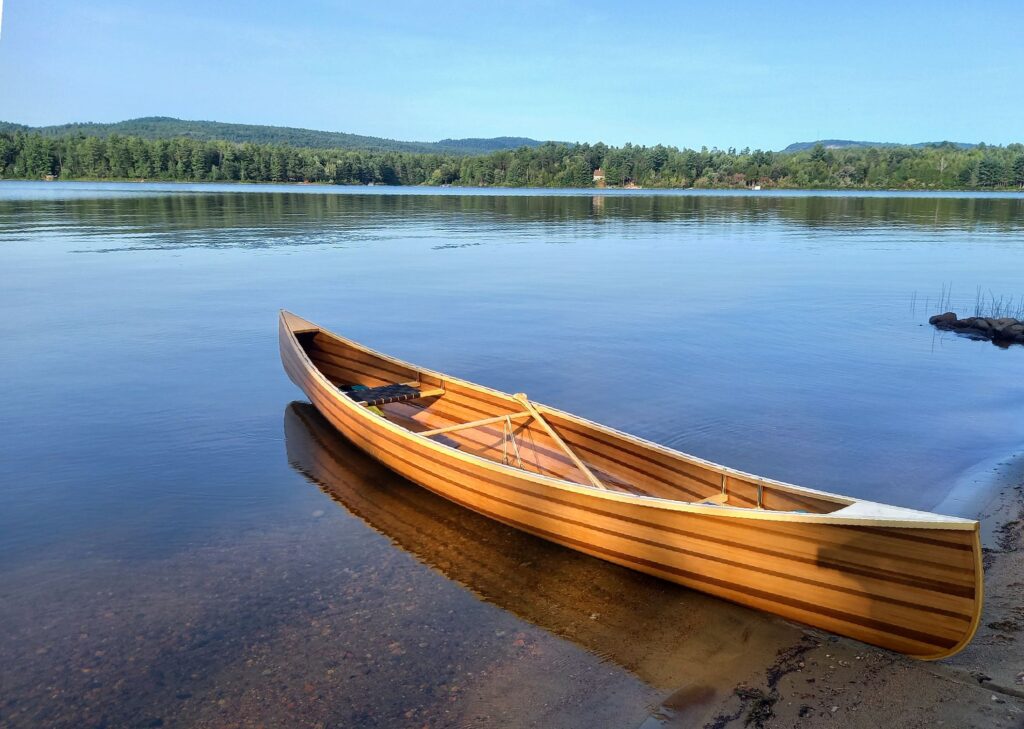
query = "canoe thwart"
{"x": 476, "y": 423}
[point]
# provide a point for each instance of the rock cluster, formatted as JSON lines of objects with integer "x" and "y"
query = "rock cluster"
{"x": 1005, "y": 330}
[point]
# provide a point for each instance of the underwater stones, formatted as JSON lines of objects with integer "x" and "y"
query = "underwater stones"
{"x": 1002, "y": 331}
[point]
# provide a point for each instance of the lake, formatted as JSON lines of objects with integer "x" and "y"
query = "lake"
{"x": 183, "y": 544}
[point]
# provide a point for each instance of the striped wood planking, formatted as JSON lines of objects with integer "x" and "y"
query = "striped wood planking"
{"x": 901, "y": 579}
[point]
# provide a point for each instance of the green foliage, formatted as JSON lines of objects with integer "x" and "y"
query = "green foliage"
{"x": 991, "y": 172}
{"x": 1016, "y": 174}
{"x": 28, "y": 155}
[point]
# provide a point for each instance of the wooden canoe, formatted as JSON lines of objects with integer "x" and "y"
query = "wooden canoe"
{"x": 906, "y": 580}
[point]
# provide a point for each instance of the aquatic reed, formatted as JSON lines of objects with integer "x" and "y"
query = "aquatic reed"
{"x": 996, "y": 308}
{"x": 986, "y": 303}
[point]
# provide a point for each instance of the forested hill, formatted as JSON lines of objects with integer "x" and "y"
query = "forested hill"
{"x": 164, "y": 127}
{"x": 846, "y": 143}
{"x": 33, "y": 156}
{"x": 478, "y": 145}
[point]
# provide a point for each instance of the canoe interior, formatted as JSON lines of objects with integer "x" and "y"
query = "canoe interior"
{"x": 620, "y": 462}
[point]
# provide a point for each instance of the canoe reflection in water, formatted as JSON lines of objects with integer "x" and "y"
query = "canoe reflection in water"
{"x": 666, "y": 635}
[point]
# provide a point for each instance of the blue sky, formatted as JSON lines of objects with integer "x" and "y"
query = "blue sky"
{"x": 737, "y": 74}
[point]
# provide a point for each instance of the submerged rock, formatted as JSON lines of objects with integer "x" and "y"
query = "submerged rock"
{"x": 949, "y": 316}
{"x": 1002, "y": 331}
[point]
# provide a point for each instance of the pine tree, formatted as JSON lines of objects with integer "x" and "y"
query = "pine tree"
{"x": 1017, "y": 174}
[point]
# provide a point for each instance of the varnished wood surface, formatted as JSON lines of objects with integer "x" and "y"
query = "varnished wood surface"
{"x": 897, "y": 578}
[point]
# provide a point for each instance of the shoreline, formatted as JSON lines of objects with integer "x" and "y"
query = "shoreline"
{"x": 980, "y": 486}
{"x": 765, "y": 191}
{"x": 823, "y": 680}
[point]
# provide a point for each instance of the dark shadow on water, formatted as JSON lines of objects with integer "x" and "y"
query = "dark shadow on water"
{"x": 666, "y": 635}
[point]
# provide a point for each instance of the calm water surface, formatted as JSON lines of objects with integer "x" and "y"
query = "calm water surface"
{"x": 182, "y": 545}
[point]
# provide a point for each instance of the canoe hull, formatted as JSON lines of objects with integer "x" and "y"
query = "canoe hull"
{"x": 913, "y": 590}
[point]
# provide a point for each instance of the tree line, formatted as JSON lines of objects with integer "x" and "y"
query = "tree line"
{"x": 25, "y": 155}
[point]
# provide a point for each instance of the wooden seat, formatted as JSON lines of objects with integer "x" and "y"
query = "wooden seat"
{"x": 373, "y": 396}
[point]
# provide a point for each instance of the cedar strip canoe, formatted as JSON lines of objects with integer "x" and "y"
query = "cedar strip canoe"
{"x": 905, "y": 580}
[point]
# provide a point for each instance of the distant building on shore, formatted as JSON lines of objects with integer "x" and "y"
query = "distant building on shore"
{"x": 598, "y": 175}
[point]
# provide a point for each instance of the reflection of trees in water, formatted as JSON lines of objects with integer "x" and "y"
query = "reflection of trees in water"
{"x": 276, "y": 218}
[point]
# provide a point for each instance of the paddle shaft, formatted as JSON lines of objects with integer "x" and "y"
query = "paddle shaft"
{"x": 521, "y": 398}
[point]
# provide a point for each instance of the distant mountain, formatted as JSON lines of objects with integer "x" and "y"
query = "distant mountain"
{"x": 164, "y": 127}
{"x": 473, "y": 145}
{"x": 842, "y": 143}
